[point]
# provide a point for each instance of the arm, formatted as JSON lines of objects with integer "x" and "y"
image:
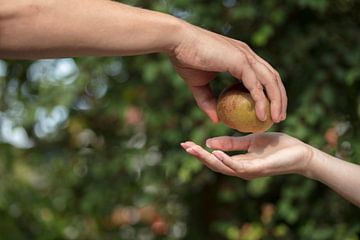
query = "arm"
{"x": 342, "y": 176}
{"x": 274, "y": 154}
{"x": 68, "y": 28}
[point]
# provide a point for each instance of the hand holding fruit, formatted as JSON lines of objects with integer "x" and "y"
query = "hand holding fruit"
{"x": 200, "y": 54}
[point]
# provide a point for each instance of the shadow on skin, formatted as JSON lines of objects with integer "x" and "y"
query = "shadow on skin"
{"x": 263, "y": 143}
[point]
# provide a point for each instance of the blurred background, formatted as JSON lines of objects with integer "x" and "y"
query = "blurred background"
{"x": 90, "y": 146}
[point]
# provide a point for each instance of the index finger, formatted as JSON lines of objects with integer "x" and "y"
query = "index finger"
{"x": 250, "y": 81}
{"x": 207, "y": 158}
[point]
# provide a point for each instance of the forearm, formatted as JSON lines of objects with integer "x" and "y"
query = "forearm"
{"x": 47, "y": 28}
{"x": 341, "y": 176}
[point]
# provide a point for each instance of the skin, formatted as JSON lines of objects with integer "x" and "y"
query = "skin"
{"x": 31, "y": 29}
{"x": 271, "y": 154}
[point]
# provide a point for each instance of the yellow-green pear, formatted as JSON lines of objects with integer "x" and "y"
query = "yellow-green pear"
{"x": 236, "y": 108}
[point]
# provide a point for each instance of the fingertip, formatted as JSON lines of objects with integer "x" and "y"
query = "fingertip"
{"x": 208, "y": 144}
{"x": 213, "y": 117}
{"x": 183, "y": 144}
{"x": 276, "y": 115}
{"x": 274, "y": 119}
{"x": 260, "y": 112}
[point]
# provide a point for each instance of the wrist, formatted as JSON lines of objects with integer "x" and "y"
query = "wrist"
{"x": 172, "y": 33}
{"x": 306, "y": 162}
{"x": 313, "y": 160}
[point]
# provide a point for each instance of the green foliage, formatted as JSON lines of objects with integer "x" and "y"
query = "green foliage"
{"x": 92, "y": 151}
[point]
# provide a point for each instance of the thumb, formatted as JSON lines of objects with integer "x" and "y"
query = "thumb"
{"x": 206, "y": 101}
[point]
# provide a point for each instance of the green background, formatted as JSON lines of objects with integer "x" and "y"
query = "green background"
{"x": 92, "y": 151}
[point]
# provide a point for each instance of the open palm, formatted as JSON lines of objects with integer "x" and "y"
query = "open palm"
{"x": 267, "y": 154}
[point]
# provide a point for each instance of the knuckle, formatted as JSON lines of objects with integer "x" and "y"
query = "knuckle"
{"x": 247, "y": 47}
{"x": 196, "y": 148}
{"x": 259, "y": 86}
{"x": 271, "y": 82}
{"x": 252, "y": 61}
{"x": 242, "y": 59}
{"x": 285, "y": 98}
{"x": 277, "y": 75}
{"x": 244, "y": 45}
{"x": 256, "y": 87}
{"x": 257, "y": 94}
{"x": 274, "y": 79}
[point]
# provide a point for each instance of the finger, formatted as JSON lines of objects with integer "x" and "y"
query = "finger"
{"x": 208, "y": 159}
{"x": 279, "y": 91}
{"x": 243, "y": 168}
{"x": 229, "y": 143}
{"x": 205, "y": 100}
{"x": 278, "y": 81}
{"x": 268, "y": 79}
{"x": 280, "y": 88}
{"x": 268, "y": 73}
{"x": 250, "y": 81}
{"x": 186, "y": 145}
{"x": 280, "y": 98}
{"x": 283, "y": 97}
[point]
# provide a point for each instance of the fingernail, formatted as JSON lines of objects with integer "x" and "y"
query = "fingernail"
{"x": 207, "y": 144}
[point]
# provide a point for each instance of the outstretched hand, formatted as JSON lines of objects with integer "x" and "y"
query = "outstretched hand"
{"x": 201, "y": 54}
{"x": 267, "y": 154}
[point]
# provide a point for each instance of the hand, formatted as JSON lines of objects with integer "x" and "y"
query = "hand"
{"x": 267, "y": 154}
{"x": 201, "y": 54}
